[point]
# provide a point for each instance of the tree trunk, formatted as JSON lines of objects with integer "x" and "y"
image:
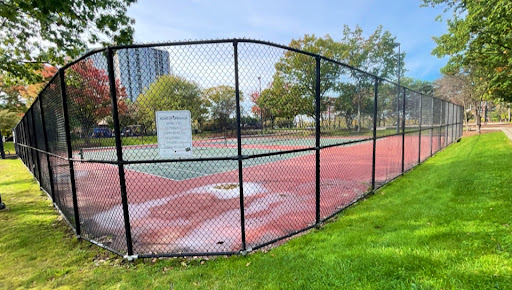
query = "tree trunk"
{"x": 329, "y": 116}
{"x": 478, "y": 120}
{"x": 485, "y": 113}
{"x": 87, "y": 134}
{"x": 466, "y": 121}
{"x": 465, "y": 117}
{"x": 349, "y": 122}
{"x": 509, "y": 115}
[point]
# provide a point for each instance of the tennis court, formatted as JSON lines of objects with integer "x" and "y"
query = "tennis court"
{"x": 221, "y": 195}
{"x": 173, "y": 205}
{"x": 217, "y": 147}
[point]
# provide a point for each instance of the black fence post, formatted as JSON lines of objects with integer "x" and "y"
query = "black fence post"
{"x": 45, "y": 135}
{"x": 36, "y": 145}
{"x": 239, "y": 148}
{"x": 446, "y": 124}
{"x": 454, "y": 115}
{"x": 403, "y": 132}
{"x": 449, "y": 123}
{"x": 452, "y": 121}
{"x": 399, "y": 90}
{"x": 432, "y": 127}
{"x": 317, "y": 138}
{"x": 2, "y": 152}
{"x": 119, "y": 151}
{"x": 31, "y": 143}
{"x": 375, "y": 108}
{"x": 421, "y": 123}
{"x": 28, "y": 150}
{"x": 461, "y": 119}
{"x": 441, "y": 124}
{"x": 70, "y": 150}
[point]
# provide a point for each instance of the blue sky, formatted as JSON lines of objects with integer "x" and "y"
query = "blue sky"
{"x": 282, "y": 20}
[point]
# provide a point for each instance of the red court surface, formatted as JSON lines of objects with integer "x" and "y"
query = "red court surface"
{"x": 202, "y": 214}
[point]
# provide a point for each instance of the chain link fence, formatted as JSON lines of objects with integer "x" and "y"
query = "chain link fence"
{"x": 279, "y": 141}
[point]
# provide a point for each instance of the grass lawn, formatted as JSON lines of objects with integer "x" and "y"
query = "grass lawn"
{"x": 445, "y": 224}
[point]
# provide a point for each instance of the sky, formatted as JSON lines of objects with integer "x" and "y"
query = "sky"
{"x": 280, "y": 21}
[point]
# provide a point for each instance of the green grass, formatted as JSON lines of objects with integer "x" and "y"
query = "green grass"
{"x": 445, "y": 224}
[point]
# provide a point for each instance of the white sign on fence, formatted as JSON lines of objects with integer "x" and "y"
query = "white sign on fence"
{"x": 174, "y": 133}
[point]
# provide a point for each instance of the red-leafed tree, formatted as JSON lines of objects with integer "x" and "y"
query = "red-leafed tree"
{"x": 258, "y": 109}
{"x": 89, "y": 101}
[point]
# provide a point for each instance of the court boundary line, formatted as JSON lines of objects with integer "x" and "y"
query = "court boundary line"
{"x": 206, "y": 174}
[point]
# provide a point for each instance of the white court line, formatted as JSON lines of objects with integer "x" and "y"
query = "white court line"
{"x": 167, "y": 177}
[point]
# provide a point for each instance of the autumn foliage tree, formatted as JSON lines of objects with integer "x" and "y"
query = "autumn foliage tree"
{"x": 89, "y": 101}
{"x": 30, "y": 92}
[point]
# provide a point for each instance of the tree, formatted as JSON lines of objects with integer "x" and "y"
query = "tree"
{"x": 221, "y": 101}
{"x": 299, "y": 70}
{"x": 8, "y": 120}
{"x": 36, "y": 32}
{"x": 424, "y": 87}
{"x": 388, "y": 111}
{"x": 30, "y": 92}
{"x": 89, "y": 100}
{"x": 478, "y": 40}
{"x": 256, "y": 109}
{"x": 344, "y": 103}
{"x": 169, "y": 92}
{"x": 282, "y": 100}
{"x": 459, "y": 89}
{"x": 374, "y": 54}
{"x": 10, "y": 95}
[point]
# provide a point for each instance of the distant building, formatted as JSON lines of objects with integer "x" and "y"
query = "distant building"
{"x": 137, "y": 68}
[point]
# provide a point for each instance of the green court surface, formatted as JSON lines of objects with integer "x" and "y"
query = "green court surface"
{"x": 191, "y": 169}
{"x": 207, "y": 149}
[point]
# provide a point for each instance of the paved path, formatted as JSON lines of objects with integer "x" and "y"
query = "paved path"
{"x": 506, "y": 130}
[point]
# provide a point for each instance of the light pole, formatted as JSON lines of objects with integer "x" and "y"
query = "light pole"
{"x": 395, "y": 44}
{"x": 261, "y": 109}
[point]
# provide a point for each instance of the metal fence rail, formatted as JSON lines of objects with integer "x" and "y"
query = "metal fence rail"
{"x": 282, "y": 140}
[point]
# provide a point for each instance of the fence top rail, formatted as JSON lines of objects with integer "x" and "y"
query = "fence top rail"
{"x": 268, "y": 43}
{"x": 218, "y": 41}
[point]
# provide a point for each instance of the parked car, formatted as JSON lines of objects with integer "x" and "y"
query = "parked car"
{"x": 101, "y": 133}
